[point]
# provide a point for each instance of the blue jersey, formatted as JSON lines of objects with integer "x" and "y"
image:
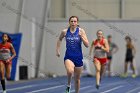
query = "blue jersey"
{"x": 73, "y": 46}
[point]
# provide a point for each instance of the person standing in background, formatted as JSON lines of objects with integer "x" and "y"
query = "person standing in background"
{"x": 113, "y": 48}
{"x": 129, "y": 57}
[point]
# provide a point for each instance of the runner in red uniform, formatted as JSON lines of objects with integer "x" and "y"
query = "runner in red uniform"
{"x": 101, "y": 48}
{"x": 7, "y": 53}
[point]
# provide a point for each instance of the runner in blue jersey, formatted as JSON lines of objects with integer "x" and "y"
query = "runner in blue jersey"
{"x": 74, "y": 36}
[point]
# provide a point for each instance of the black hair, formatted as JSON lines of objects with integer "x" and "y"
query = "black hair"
{"x": 9, "y": 38}
{"x": 128, "y": 37}
{"x": 109, "y": 36}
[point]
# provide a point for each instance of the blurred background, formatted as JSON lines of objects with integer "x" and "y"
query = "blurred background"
{"x": 41, "y": 21}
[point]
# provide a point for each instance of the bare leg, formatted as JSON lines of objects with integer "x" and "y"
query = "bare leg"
{"x": 77, "y": 75}
{"x": 132, "y": 67}
{"x": 8, "y": 71}
{"x": 2, "y": 71}
{"x": 70, "y": 69}
{"x": 102, "y": 70}
{"x": 125, "y": 67}
{"x": 98, "y": 69}
{"x": 109, "y": 68}
{"x": 125, "y": 70}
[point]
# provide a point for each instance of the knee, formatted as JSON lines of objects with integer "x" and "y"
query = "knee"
{"x": 70, "y": 72}
{"x": 98, "y": 70}
{"x": 77, "y": 79}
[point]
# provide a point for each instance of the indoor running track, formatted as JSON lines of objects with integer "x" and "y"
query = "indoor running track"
{"x": 57, "y": 85}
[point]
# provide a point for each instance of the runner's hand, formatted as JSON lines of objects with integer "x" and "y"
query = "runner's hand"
{"x": 58, "y": 54}
{"x": 8, "y": 60}
{"x": 80, "y": 33}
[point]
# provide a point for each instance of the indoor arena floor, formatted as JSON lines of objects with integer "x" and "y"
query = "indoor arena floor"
{"x": 58, "y": 85}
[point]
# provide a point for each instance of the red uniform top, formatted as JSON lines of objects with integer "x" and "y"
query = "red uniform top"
{"x": 101, "y": 41}
{"x": 5, "y": 51}
{"x": 99, "y": 53}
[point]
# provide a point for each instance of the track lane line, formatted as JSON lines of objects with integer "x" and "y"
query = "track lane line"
{"x": 112, "y": 89}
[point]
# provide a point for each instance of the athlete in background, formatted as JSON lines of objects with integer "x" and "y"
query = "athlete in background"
{"x": 7, "y": 53}
{"x": 100, "y": 47}
{"x": 130, "y": 54}
{"x": 113, "y": 48}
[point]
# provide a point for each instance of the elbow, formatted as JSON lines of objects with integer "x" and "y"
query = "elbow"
{"x": 14, "y": 54}
{"x": 87, "y": 45}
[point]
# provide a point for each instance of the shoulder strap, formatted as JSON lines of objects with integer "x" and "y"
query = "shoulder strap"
{"x": 102, "y": 41}
{"x": 95, "y": 42}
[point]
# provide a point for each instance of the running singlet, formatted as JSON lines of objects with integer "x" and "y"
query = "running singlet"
{"x": 98, "y": 52}
{"x": 5, "y": 51}
{"x": 129, "y": 53}
{"x": 73, "y": 44}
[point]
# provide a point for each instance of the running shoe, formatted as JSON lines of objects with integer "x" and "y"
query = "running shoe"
{"x": 134, "y": 75}
{"x": 97, "y": 86}
{"x": 4, "y": 91}
{"x": 68, "y": 89}
{"x": 124, "y": 75}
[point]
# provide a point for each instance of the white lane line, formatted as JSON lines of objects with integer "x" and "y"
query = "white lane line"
{"x": 107, "y": 85}
{"x": 45, "y": 89}
{"x": 131, "y": 91}
{"x": 25, "y": 87}
{"x": 102, "y": 87}
{"x": 82, "y": 88}
{"x": 112, "y": 89}
{"x": 116, "y": 83}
